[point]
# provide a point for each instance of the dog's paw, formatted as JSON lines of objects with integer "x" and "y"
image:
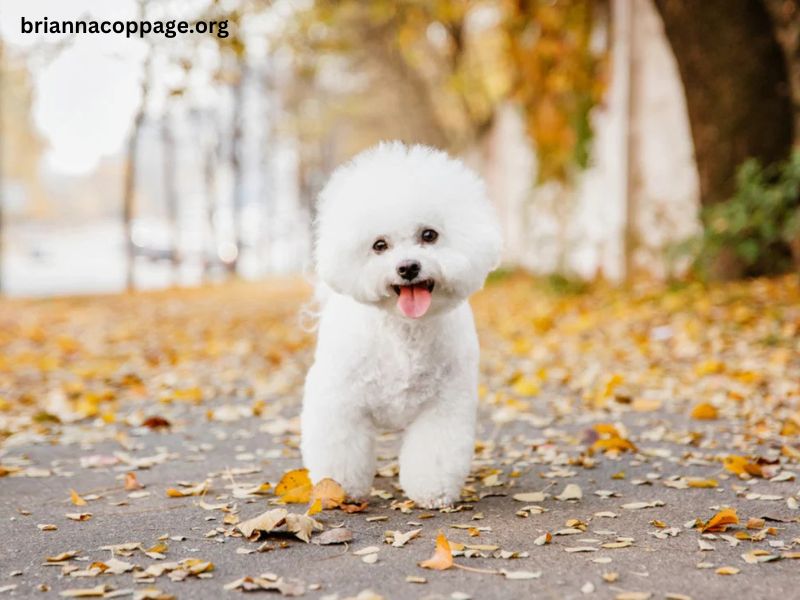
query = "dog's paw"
{"x": 435, "y": 503}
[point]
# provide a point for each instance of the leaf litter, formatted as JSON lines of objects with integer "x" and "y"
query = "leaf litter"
{"x": 673, "y": 393}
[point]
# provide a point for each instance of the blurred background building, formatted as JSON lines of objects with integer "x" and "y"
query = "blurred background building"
{"x": 151, "y": 162}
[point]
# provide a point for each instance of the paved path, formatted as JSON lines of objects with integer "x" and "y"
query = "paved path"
{"x": 604, "y": 544}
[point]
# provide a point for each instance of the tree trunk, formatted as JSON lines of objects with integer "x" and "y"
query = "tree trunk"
{"x": 736, "y": 85}
{"x": 737, "y": 91}
{"x": 786, "y": 18}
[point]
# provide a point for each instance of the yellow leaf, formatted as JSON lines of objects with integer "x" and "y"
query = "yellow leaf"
{"x": 705, "y": 412}
{"x": 159, "y": 547}
{"x": 720, "y": 521}
{"x": 315, "y": 507}
{"x": 709, "y": 367}
{"x": 610, "y": 440}
{"x": 606, "y": 429}
{"x": 615, "y": 443}
{"x": 76, "y": 499}
{"x": 442, "y": 556}
{"x": 790, "y": 427}
{"x": 701, "y": 483}
{"x": 740, "y": 465}
{"x": 294, "y": 487}
{"x": 727, "y": 571}
{"x": 526, "y": 387}
{"x": 195, "y": 490}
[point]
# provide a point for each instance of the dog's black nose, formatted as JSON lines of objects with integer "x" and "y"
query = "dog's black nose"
{"x": 408, "y": 269}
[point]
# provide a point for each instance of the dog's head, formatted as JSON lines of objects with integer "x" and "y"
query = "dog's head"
{"x": 408, "y": 229}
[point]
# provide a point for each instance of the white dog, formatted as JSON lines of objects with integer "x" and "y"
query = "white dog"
{"x": 404, "y": 235}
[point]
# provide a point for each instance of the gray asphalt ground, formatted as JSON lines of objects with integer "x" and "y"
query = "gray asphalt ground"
{"x": 530, "y": 455}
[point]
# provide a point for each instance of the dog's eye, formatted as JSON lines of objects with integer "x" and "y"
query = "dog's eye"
{"x": 428, "y": 236}
{"x": 380, "y": 245}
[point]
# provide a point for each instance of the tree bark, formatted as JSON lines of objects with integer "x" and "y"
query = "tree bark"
{"x": 736, "y": 84}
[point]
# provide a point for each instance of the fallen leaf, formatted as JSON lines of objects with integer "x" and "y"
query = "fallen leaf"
{"x": 720, "y": 521}
{"x": 314, "y": 508}
{"x": 156, "y": 422}
{"x": 400, "y": 539}
{"x": 193, "y": 490}
{"x": 543, "y": 539}
{"x": 529, "y": 497}
{"x": 294, "y": 487}
{"x": 571, "y": 492}
{"x": 704, "y": 412}
{"x": 131, "y": 483}
{"x": 79, "y": 516}
{"x": 95, "y": 592}
{"x": 268, "y": 582}
{"x": 442, "y": 558}
{"x": 62, "y": 556}
{"x": 302, "y": 526}
{"x": 521, "y": 574}
{"x": 265, "y": 522}
{"x": 701, "y": 483}
{"x": 641, "y": 505}
{"x": 76, "y": 499}
{"x": 740, "y": 465}
{"x": 341, "y": 535}
{"x": 328, "y": 492}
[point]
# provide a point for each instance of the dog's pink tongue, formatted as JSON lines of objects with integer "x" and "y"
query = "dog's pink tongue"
{"x": 414, "y": 300}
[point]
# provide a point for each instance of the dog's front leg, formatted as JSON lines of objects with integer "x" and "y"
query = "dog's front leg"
{"x": 339, "y": 444}
{"x": 437, "y": 451}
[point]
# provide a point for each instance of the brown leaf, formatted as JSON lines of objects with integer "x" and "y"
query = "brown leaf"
{"x": 302, "y": 526}
{"x": 265, "y": 522}
{"x": 720, "y": 521}
{"x": 354, "y": 508}
{"x": 156, "y": 422}
{"x": 328, "y": 492}
{"x": 131, "y": 483}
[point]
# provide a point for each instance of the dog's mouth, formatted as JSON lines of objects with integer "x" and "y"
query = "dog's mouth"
{"x": 414, "y": 299}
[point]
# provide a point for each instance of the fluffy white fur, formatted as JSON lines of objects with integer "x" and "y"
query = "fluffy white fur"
{"x": 374, "y": 367}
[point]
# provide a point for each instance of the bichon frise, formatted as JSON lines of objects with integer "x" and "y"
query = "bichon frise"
{"x": 404, "y": 235}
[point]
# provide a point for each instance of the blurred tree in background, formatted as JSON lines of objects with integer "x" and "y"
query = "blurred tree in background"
{"x": 740, "y": 64}
{"x": 558, "y": 78}
{"x": 441, "y": 68}
{"x": 332, "y": 77}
